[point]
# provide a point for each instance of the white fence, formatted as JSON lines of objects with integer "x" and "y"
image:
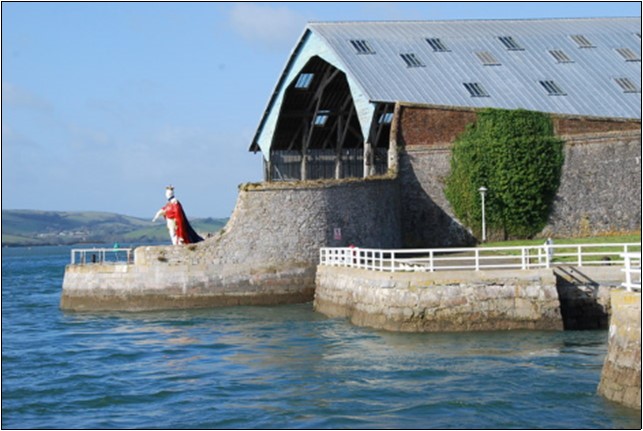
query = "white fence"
{"x": 88, "y": 256}
{"x": 632, "y": 270}
{"x": 449, "y": 259}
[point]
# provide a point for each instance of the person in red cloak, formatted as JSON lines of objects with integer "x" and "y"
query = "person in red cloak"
{"x": 178, "y": 225}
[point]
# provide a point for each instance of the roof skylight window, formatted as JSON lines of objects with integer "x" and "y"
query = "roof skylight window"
{"x": 487, "y": 58}
{"x": 510, "y": 43}
{"x": 304, "y": 80}
{"x": 628, "y": 54}
{"x": 627, "y": 85}
{"x": 362, "y": 46}
{"x": 437, "y": 45}
{"x": 552, "y": 88}
{"x": 560, "y": 56}
{"x": 411, "y": 60}
{"x": 386, "y": 118}
{"x": 321, "y": 118}
{"x": 475, "y": 89}
{"x": 582, "y": 41}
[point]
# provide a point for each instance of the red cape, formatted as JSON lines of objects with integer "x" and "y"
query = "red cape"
{"x": 184, "y": 231}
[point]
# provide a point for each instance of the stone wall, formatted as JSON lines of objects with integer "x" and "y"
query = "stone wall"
{"x": 559, "y": 298}
{"x": 163, "y": 286}
{"x": 284, "y": 223}
{"x": 600, "y": 186}
{"x": 266, "y": 254}
{"x": 440, "y": 301}
{"x": 427, "y": 217}
{"x": 600, "y": 189}
{"x": 621, "y": 375}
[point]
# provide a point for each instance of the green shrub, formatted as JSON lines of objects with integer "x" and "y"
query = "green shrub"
{"x": 517, "y": 157}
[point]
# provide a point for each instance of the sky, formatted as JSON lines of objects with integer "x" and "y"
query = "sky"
{"x": 105, "y": 104}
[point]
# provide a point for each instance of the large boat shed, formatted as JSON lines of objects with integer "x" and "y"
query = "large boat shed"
{"x": 331, "y": 111}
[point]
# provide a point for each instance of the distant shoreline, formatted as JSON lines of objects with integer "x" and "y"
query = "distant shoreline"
{"x": 32, "y": 228}
{"x": 127, "y": 244}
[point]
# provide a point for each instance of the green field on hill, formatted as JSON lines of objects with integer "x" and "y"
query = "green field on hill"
{"x": 31, "y": 227}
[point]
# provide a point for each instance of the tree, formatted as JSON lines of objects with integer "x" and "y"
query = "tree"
{"x": 515, "y": 154}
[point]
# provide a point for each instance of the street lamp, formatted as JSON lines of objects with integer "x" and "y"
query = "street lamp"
{"x": 482, "y": 191}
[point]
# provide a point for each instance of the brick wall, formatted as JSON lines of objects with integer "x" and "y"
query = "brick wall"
{"x": 582, "y": 125}
{"x": 440, "y": 126}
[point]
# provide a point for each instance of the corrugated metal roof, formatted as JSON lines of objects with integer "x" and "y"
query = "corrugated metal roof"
{"x": 588, "y": 81}
{"x": 379, "y": 73}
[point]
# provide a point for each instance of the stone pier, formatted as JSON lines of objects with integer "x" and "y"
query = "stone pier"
{"x": 621, "y": 375}
{"x": 440, "y": 301}
{"x": 266, "y": 254}
{"x": 543, "y": 299}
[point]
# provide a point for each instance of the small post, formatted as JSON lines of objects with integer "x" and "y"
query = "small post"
{"x": 431, "y": 263}
{"x": 368, "y": 159}
{"x": 482, "y": 191}
{"x": 549, "y": 252}
{"x": 628, "y": 273}
{"x": 267, "y": 170}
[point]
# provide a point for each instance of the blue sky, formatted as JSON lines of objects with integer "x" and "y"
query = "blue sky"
{"x": 104, "y": 104}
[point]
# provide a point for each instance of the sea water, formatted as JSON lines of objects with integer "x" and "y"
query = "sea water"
{"x": 278, "y": 367}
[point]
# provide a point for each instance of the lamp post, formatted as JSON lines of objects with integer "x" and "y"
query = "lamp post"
{"x": 482, "y": 191}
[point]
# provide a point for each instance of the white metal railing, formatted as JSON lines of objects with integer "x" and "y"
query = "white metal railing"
{"x": 441, "y": 259}
{"x": 88, "y": 256}
{"x": 632, "y": 270}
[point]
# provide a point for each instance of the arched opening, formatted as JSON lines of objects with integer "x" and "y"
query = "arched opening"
{"x": 318, "y": 134}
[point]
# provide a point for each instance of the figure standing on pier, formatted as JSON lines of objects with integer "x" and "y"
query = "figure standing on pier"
{"x": 178, "y": 225}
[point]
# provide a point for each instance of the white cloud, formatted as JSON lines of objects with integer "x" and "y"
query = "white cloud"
{"x": 14, "y": 96}
{"x": 82, "y": 137}
{"x": 12, "y": 138}
{"x": 270, "y": 26}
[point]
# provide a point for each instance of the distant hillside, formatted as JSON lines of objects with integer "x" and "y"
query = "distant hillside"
{"x": 30, "y": 227}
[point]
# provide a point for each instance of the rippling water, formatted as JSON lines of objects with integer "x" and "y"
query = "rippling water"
{"x": 278, "y": 367}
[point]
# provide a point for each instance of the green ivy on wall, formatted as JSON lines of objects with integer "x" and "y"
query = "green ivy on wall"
{"x": 517, "y": 157}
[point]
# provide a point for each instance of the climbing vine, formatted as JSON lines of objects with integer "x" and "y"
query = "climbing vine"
{"x": 517, "y": 157}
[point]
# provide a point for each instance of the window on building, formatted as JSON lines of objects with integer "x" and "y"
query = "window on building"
{"x": 386, "y": 118}
{"x": 510, "y": 43}
{"x": 487, "y": 58}
{"x": 362, "y": 46}
{"x": 582, "y": 41}
{"x": 304, "y": 80}
{"x": 411, "y": 60}
{"x": 437, "y": 45}
{"x": 627, "y": 85}
{"x": 321, "y": 118}
{"x": 475, "y": 89}
{"x": 552, "y": 88}
{"x": 560, "y": 56}
{"x": 628, "y": 54}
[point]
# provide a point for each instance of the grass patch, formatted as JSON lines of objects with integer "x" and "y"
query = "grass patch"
{"x": 592, "y": 240}
{"x": 595, "y": 254}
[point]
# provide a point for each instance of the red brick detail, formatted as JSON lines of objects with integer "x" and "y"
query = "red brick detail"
{"x": 432, "y": 126}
